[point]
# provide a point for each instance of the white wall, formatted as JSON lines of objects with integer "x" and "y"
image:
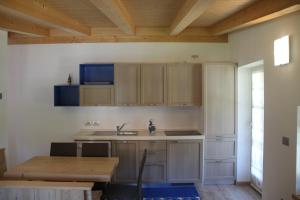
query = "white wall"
{"x": 3, "y": 84}
{"x": 282, "y": 97}
{"x": 33, "y": 70}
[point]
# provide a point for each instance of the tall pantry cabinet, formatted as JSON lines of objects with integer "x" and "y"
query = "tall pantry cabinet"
{"x": 219, "y": 123}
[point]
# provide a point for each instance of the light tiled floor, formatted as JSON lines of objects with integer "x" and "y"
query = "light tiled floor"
{"x": 228, "y": 192}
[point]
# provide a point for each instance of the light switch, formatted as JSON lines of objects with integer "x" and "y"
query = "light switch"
{"x": 286, "y": 141}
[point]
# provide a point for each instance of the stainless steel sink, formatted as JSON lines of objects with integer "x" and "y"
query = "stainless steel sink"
{"x": 127, "y": 133}
{"x": 111, "y": 133}
{"x": 182, "y": 133}
{"x": 105, "y": 133}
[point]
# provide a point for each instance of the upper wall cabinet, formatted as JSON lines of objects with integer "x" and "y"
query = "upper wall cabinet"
{"x": 219, "y": 99}
{"x": 96, "y": 95}
{"x": 127, "y": 84}
{"x": 66, "y": 95}
{"x": 96, "y": 74}
{"x": 134, "y": 84}
{"x": 184, "y": 86}
{"x": 152, "y": 84}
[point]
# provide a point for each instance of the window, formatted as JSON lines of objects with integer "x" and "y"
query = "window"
{"x": 282, "y": 51}
{"x": 257, "y": 128}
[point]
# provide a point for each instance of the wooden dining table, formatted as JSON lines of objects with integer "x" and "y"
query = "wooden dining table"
{"x": 47, "y": 168}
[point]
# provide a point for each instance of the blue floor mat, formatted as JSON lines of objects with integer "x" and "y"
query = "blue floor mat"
{"x": 170, "y": 192}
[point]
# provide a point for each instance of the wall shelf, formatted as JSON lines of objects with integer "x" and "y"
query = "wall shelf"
{"x": 66, "y": 95}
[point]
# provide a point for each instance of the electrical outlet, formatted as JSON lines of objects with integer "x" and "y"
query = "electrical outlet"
{"x": 92, "y": 124}
{"x": 286, "y": 141}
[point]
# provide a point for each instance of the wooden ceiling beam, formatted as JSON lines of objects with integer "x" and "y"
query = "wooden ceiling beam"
{"x": 143, "y": 34}
{"x": 116, "y": 11}
{"x": 17, "y": 25}
{"x": 189, "y": 12}
{"x": 258, "y": 12}
{"x": 39, "y": 12}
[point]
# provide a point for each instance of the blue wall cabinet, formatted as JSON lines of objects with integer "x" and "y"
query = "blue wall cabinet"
{"x": 66, "y": 95}
{"x": 96, "y": 74}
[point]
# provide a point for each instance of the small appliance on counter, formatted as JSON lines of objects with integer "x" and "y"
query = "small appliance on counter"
{"x": 151, "y": 127}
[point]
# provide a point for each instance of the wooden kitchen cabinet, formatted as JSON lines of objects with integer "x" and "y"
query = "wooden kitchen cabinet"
{"x": 152, "y": 84}
{"x": 127, "y": 170}
{"x": 96, "y": 95}
{"x": 219, "y": 171}
{"x": 219, "y": 123}
{"x": 219, "y": 99}
{"x": 220, "y": 148}
{"x": 184, "y": 161}
{"x": 155, "y": 166}
{"x": 127, "y": 84}
{"x": 184, "y": 84}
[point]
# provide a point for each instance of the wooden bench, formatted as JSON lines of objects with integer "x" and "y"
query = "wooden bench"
{"x": 2, "y": 162}
{"x": 44, "y": 190}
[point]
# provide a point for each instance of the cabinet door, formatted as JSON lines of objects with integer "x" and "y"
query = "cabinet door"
{"x": 154, "y": 173}
{"x": 219, "y": 171}
{"x": 152, "y": 84}
{"x": 184, "y": 84}
{"x": 219, "y": 100}
{"x": 127, "y": 169}
{"x": 184, "y": 161}
{"x": 127, "y": 82}
{"x": 96, "y": 95}
{"x": 220, "y": 148}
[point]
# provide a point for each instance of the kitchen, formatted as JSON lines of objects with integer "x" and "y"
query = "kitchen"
{"x": 30, "y": 121}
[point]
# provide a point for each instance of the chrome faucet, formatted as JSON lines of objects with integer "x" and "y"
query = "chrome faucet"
{"x": 119, "y": 128}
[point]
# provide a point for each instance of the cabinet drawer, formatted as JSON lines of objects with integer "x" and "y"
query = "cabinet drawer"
{"x": 154, "y": 173}
{"x": 153, "y": 146}
{"x": 220, "y": 148}
{"x": 219, "y": 169}
{"x": 154, "y": 156}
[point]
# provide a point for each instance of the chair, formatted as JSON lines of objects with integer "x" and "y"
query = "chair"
{"x": 127, "y": 192}
{"x": 95, "y": 150}
{"x": 63, "y": 149}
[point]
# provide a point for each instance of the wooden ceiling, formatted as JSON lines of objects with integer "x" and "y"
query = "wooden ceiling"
{"x": 69, "y": 21}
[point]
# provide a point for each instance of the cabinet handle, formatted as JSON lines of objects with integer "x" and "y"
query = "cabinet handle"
{"x": 218, "y": 161}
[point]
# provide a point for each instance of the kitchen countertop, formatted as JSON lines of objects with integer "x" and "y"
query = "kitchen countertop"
{"x": 142, "y": 135}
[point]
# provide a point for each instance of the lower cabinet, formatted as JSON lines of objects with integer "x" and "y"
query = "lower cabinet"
{"x": 155, "y": 166}
{"x": 155, "y": 172}
{"x": 219, "y": 172}
{"x": 127, "y": 151}
{"x": 173, "y": 161}
{"x": 220, "y": 160}
{"x": 184, "y": 161}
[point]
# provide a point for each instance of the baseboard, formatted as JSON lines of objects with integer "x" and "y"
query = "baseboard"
{"x": 242, "y": 183}
{"x": 255, "y": 188}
